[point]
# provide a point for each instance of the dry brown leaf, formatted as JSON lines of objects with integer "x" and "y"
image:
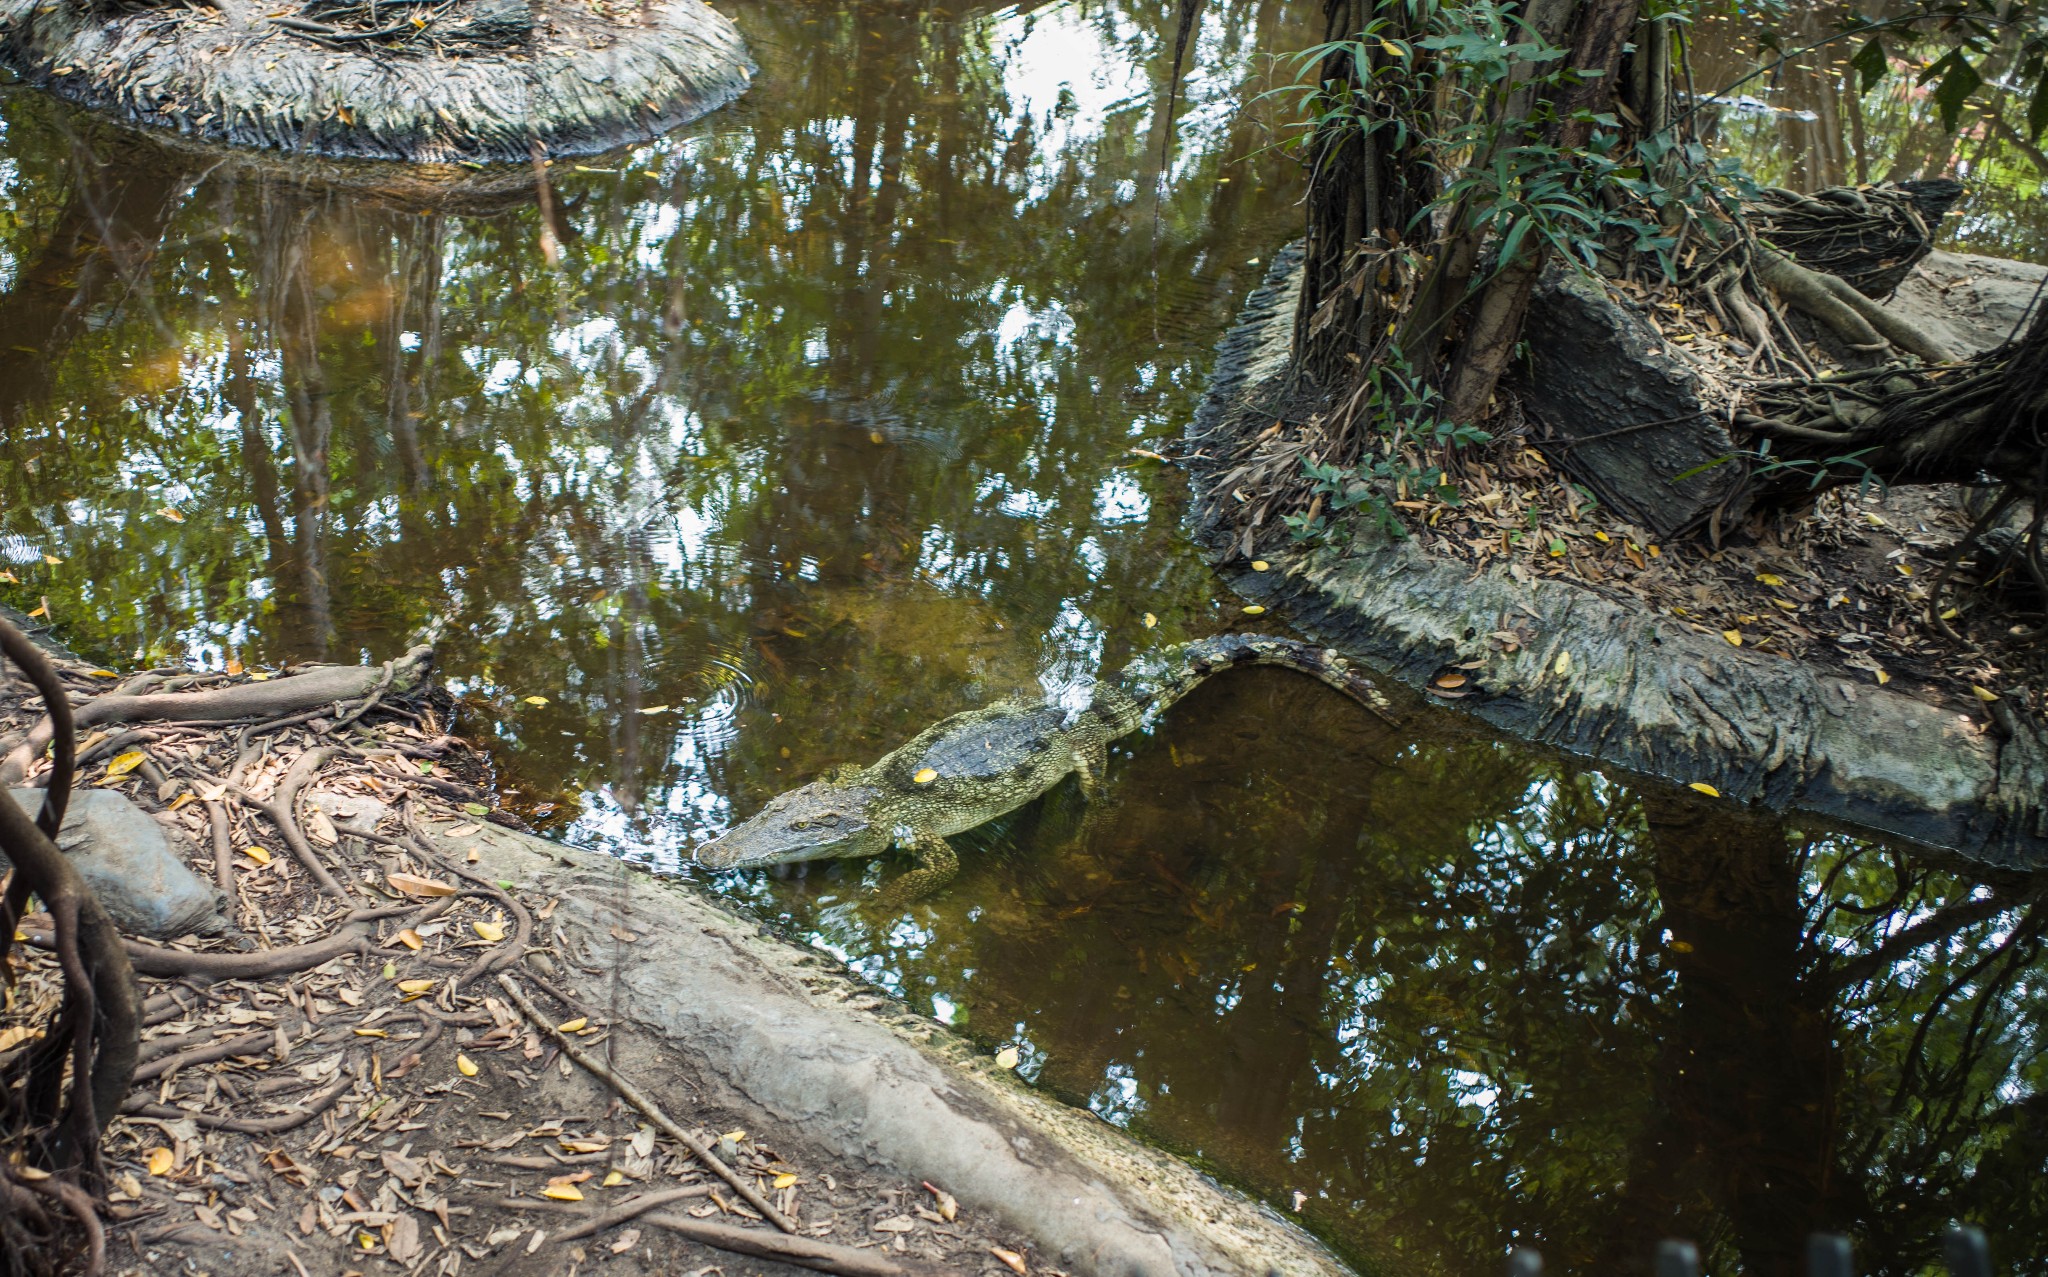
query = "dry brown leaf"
{"x": 1011, "y": 1259}
{"x": 414, "y": 885}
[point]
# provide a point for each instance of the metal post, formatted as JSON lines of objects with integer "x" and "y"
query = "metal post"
{"x": 1968, "y": 1256}
{"x": 1828, "y": 1255}
{"x": 1677, "y": 1259}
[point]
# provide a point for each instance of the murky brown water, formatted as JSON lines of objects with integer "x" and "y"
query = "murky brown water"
{"x": 817, "y": 428}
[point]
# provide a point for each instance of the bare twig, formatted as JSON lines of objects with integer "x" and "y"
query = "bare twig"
{"x": 638, "y": 1099}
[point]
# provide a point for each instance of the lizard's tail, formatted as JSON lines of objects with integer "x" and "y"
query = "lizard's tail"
{"x": 1158, "y": 679}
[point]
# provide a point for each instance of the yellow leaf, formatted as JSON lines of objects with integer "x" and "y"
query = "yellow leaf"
{"x": 102, "y": 674}
{"x": 655, "y": 709}
{"x": 1601, "y": 537}
{"x": 536, "y": 700}
{"x": 234, "y": 668}
{"x": 1949, "y": 614}
{"x": 572, "y": 1026}
{"x": 414, "y": 885}
{"x": 1875, "y": 520}
{"x": 52, "y": 560}
{"x": 1703, "y": 787}
{"x": 368, "y": 1241}
{"x": 415, "y": 986}
{"x": 491, "y": 931}
{"x": 371, "y": 1033}
{"x": 465, "y": 1066}
{"x": 1883, "y": 678}
{"x": 1007, "y": 1058}
{"x": 1653, "y": 551}
{"x": 1733, "y": 636}
{"x": 1785, "y": 605}
{"x": 925, "y": 776}
{"x": 1393, "y": 50}
{"x": 563, "y": 1192}
{"x": 1260, "y": 565}
{"x": 1681, "y": 946}
{"x": 785, "y": 1180}
{"x": 1564, "y": 664}
{"x": 257, "y": 854}
{"x": 613, "y": 1179}
{"x": 1984, "y": 694}
{"x": 1253, "y": 609}
{"x": 41, "y": 611}
{"x": 1150, "y": 620}
{"x": 410, "y": 939}
{"x": 258, "y": 676}
{"x": 125, "y": 763}
{"x": 1770, "y": 578}
{"x": 1011, "y": 1259}
{"x": 161, "y": 1160}
{"x": 1905, "y": 569}
{"x": 181, "y": 800}
{"x": 171, "y": 513}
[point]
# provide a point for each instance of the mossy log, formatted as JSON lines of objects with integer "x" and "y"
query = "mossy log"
{"x": 580, "y": 83}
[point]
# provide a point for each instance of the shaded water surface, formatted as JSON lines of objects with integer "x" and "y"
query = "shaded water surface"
{"x": 756, "y": 450}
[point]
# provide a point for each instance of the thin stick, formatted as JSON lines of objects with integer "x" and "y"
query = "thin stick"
{"x": 633, "y": 1209}
{"x": 638, "y": 1099}
{"x": 804, "y": 1252}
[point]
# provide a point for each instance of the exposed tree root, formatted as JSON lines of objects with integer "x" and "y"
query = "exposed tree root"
{"x": 62, "y": 1090}
{"x": 307, "y": 1109}
{"x": 325, "y": 685}
{"x": 156, "y": 960}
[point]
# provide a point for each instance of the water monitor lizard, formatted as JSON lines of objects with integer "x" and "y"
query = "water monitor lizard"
{"x": 970, "y": 768}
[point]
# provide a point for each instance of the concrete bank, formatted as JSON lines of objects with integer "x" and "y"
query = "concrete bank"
{"x": 490, "y": 88}
{"x": 786, "y": 1028}
{"x": 1615, "y": 682}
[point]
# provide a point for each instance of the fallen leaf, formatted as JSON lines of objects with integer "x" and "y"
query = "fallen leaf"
{"x": 614, "y": 1178}
{"x": 925, "y": 776}
{"x": 1770, "y": 578}
{"x": 414, "y": 885}
{"x": 465, "y": 1066}
{"x": 320, "y": 829}
{"x": 410, "y": 939}
{"x": 537, "y": 700}
{"x": 1254, "y": 609}
{"x": 415, "y": 986}
{"x": 1010, "y": 1258}
{"x": 257, "y": 854}
{"x": 572, "y": 1026}
{"x": 1260, "y": 565}
{"x": 1733, "y": 636}
{"x": 655, "y": 709}
{"x": 895, "y": 1224}
{"x": 492, "y": 931}
{"x": 1563, "y": 665}
{"x": 1007, "y": 1058}
{"x": 1704, "y": 788}
{"x": 563, "y": 1192}
{"x": 371, "y": 1033}
{"x": 626, "y": 1241}
{"x": 1450, "y": 680}
{"x": 476, "y": 809}
{"x": 1984, "y": 694}
{"x": 213, "y": 793}
{"x": 125, "y": 763}
{"x": 462, "y": 830}
{"x": 784, "y": 1180}
{"x": 736, "y": 1136}
{"x": 161, "y": 1160}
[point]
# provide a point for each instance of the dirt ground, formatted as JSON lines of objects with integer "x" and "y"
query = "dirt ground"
{"x": 391, "y": 1108}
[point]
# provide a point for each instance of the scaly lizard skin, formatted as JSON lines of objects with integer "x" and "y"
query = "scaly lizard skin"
{"x": 970, "y": 768}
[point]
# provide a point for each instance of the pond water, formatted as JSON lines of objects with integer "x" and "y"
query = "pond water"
{"x": 755, "y": 450}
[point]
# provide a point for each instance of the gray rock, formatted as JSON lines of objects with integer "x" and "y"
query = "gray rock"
{"x": 126, "y": 858}
{"x": 351, "y": 813}
{"x": 1969, "y": 303}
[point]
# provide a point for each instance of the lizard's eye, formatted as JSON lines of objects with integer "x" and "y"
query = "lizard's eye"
{"x": 799, "y": 824}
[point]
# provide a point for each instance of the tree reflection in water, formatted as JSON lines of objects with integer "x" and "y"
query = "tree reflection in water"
{"x": 817, "y": 430}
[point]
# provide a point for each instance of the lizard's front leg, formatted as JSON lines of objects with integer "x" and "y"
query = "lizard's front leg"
{"x": 937, "y": 862}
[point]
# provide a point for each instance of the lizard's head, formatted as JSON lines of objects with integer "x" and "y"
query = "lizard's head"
{"x": 824, "y": 820}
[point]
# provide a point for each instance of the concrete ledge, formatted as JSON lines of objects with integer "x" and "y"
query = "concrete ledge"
{"x": 788, "y": 1029}
{"x": 1610, "y": 680}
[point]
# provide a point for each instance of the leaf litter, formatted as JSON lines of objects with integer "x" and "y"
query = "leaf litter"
{"x": 386, "y": 1109}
